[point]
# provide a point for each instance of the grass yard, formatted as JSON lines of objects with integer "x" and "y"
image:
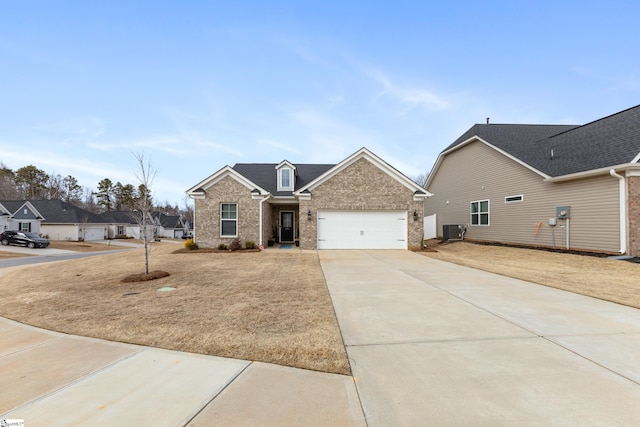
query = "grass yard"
{"x": 603, "y": 278}
{"x": 270, "y": 306}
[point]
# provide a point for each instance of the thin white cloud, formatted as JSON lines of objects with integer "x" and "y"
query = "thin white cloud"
{"x": 168, "y": 144}
{"x": 220, "y": 148}
{"x": 90, "y": 127}
{"x": 278, "y": 146}
{"x": 410, "y": 98}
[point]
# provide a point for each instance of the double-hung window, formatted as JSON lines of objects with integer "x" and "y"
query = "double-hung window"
{"x": 229, "y": 220}
{"x": 480, "y": 212}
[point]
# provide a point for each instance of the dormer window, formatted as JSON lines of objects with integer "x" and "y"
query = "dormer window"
{"x": 286, "y": 176}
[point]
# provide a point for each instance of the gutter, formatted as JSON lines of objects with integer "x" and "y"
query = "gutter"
{"x": 623, "y": 209}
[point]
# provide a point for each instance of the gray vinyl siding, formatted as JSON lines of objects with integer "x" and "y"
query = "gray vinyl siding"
{"x": 477, "y": 172}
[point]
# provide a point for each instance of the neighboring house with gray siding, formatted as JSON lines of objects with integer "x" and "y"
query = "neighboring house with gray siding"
{"x": 570, "y": 187}
{"x": 55, "y": 219}
{"x": 19, "y": 215}
{"x": 361, "y": 202}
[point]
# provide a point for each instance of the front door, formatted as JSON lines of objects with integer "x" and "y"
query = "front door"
{"x": 286, "y": 226}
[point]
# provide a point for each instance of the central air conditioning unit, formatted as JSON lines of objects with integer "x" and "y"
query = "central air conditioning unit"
{"x": 453, "y": 231}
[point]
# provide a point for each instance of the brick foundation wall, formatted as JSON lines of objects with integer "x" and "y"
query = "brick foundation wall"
{"x": 207, "y": 223}
{"x": 633, "y": 203}
{"x": 361, "y": 186}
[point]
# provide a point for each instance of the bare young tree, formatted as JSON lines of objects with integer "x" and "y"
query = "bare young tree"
{"x": 145, "y": 174}
{"x": 421, "y": 179}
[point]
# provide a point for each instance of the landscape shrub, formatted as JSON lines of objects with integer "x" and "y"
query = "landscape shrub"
{"x": 235, "y": 245}
{"x": 222, "y": 247}
{"x": 190, "y": 244}
{"x": 249, "y": 244}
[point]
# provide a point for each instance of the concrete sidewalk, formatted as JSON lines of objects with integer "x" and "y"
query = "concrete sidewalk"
{"x": 433, "y": 343}
{"x": 51, "y": 379}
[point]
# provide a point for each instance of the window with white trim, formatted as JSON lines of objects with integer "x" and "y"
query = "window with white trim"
{"x": 514, "y": 199}
{"x": 229, "y": 220}
{"x": 25, "y": 226}
{"x": 285, "y": 179}
{"x": 480, "y": 212}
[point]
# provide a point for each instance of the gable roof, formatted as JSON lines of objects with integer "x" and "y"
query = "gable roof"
{"x": 56, "y": 211}
{"x": 199, "y": 190}
{"x": 611, "y": 141}
{"x": 168, "y": 221}
{"x": 377, "y": 161}
{"x": 265, "y": 175}
{"x": 12, "y": 207}
{"x": 119, "y": 217}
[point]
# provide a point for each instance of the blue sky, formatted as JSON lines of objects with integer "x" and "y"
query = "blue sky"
{"x": 199, "y": 85}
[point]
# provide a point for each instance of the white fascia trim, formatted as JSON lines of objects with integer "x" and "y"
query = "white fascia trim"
{"x": 377, "y": 161}
{"x": 286, "y": 163}
{"x": 636, "y": 159}
{"x": 5, "y": 210}
{"x": 32, "y": 209}
{"x": 464, "y": 143}
{"x": 515, "y": 159}
{"x": 217, "y": 177}
{"x": 593, "y": 172}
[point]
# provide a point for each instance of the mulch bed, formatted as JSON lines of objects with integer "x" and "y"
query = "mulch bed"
{"x": 142, "y": 277}
{"x": 213, "y": 251}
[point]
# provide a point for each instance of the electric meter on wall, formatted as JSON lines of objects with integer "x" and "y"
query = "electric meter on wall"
{"x": 563, "y": 212}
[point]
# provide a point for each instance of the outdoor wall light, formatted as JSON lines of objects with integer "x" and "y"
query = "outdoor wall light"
{"x": 415, "y": 215}
{"x": 309, "y": 215}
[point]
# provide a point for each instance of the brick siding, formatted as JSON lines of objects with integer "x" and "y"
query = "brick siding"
{"x": 207, "y": 224}
{"x": 361, "y": 186}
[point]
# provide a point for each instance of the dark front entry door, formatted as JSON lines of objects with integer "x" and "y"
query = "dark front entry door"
{"x": 286, "y": 227}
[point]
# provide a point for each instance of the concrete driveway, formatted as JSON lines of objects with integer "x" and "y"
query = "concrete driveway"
{"x": 433, "y": 343}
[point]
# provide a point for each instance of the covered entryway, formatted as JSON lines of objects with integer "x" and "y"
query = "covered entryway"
{"x": 362, "y": 229}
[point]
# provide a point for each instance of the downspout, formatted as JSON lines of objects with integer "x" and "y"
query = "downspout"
{"x": 623, "y": 210}
{"x": 261, "y": 202}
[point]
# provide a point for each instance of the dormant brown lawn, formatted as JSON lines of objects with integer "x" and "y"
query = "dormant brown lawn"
{"x": 270, "y": 306}
{"x": 607, "y": 279}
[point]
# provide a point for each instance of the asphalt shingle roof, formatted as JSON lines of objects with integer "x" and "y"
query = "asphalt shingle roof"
{"x": 610, "y": 141}
{"x": 266, "y": 176}
{"x": 57, "y": 211}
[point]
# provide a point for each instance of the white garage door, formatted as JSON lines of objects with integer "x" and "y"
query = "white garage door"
{"x": 362, "y": 229}
{"x": 93, "y": 233}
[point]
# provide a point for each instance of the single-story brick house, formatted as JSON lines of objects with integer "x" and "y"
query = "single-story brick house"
{"x": 563, "y": 186}
{"x": 361, "y": 202}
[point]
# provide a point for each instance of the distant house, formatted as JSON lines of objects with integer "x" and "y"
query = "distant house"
{"x": 360, "y": 203}
{"x": 19, "y": 215}
{"x": 128, "y": 224}
{"x": 53, "y": 218}
{"x": 170, "y": 226}
{"x": 565, "y": 186}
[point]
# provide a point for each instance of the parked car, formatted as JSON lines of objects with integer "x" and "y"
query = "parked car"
{"x": 23, "y": 238}
{"x": 187, "y": 236}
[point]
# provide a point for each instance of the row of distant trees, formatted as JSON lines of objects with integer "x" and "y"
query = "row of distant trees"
{"x": 30, "y": 182}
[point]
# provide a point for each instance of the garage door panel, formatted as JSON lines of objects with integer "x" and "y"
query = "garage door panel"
{"x": 93, "y": 233}
{"x": 362, "y": 230}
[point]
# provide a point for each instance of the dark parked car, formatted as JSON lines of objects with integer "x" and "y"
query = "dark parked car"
{"x": 23, "y": 238}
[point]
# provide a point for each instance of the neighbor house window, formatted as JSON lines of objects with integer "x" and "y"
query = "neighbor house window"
{"x": 480, "y": 212}
{"x": 514, "y": 199}
{"x": 25, "y": 226}
{"x": 229, "y": 220}
{"x": 121, "y": 230}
